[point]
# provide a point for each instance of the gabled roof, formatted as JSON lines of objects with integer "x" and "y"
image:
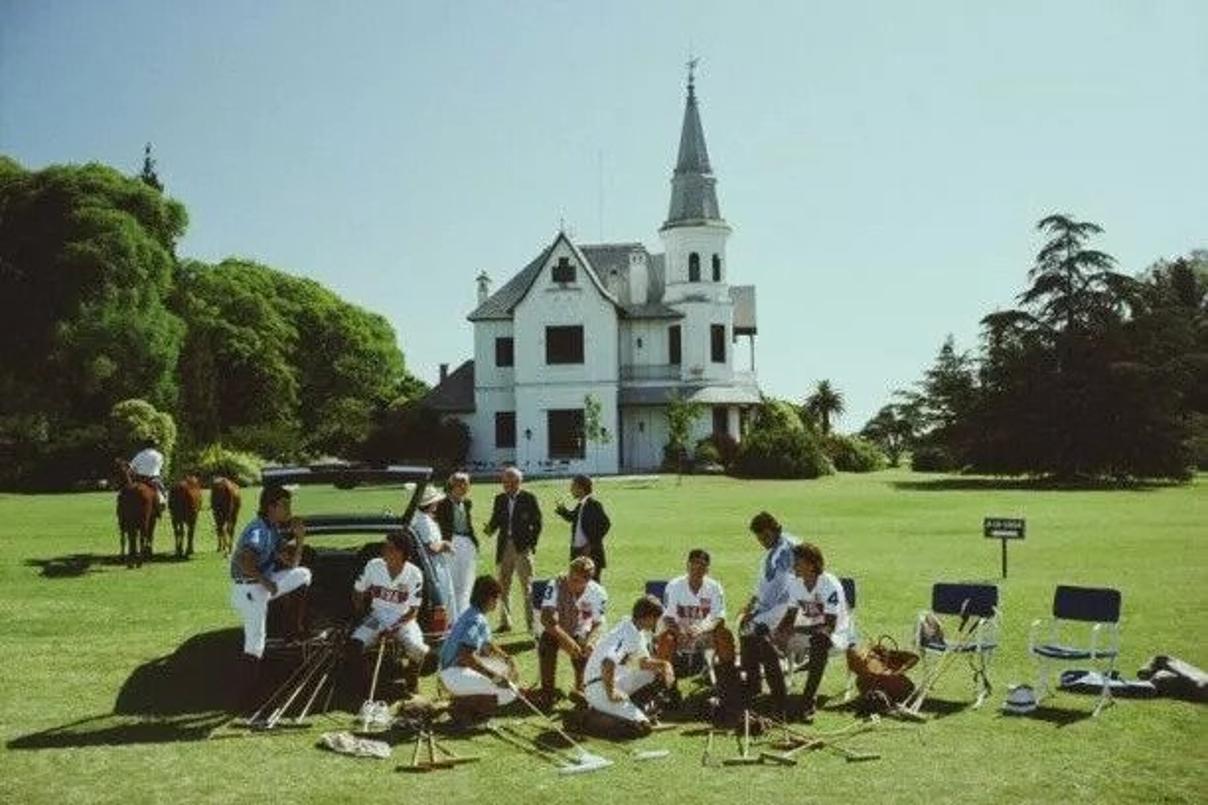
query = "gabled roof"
{"x": 502, "y": 303}
{"x": 456, "y": 393}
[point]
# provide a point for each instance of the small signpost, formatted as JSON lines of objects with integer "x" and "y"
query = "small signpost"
{"x": 1003, "y": 528}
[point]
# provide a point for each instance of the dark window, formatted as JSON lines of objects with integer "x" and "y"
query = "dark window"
{"x": 717, "y": 333}
{"x": 564, "y": 344}
{"x": 505, "y": 352}
{"x": 694, "y": 267}
{"x": 566, "y": 433}
{"x": 564, "y": 271}
{"x": 717, "y": 268}
{"x": 673, "y": 345}
{"x": 505, "y": 428}
{"x": 721, "y": 421}
{"x": 639, "y": 342}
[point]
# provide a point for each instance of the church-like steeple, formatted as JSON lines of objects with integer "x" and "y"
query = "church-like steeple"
{"x": 693, "y": 195}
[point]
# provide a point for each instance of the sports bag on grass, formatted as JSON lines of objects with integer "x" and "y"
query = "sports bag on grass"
{"x": 881, "y": 667}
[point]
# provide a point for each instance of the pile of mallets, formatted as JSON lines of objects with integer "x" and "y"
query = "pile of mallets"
{"x": 792, "y": 743}
{"x": 313, "y": 677}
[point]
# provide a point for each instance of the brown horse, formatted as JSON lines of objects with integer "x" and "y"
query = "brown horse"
{"x": 224, "y": 502}
{"x": 137, "y": 512}
{"x": 184, "y": 502}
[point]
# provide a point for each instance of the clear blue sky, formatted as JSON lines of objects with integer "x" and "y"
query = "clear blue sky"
{"x": 882, "y": 164}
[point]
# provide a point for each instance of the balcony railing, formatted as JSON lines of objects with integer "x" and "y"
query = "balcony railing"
{"x": 645, "y": 371}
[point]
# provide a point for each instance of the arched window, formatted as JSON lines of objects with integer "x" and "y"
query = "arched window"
{"x": 694, "y": 267}
{"x": 717, "y": 268}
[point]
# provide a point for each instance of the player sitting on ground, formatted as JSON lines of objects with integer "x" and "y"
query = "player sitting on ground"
{"x": 816, "y": 619}
{"x": 478, "y": 674}
{"x": 572, "y": 617}
{"x": 392, "y": 590}
{"x": 611, "y": 684}
{"x": 694, "y": 620}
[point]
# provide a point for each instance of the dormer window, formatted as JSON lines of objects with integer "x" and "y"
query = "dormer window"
{"x": 694, "y": 267}
{"x": 717, "y": 268}
{"x": 564, "y": 271}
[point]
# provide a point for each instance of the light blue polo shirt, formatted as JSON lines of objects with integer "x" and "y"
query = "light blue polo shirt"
{"x": 775, "y": 572}
{"x": 264, "y": 540}
{"x": 471, "y": 630}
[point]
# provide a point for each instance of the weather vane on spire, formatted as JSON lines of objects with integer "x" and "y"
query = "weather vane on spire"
{"x": 692, "y": 62}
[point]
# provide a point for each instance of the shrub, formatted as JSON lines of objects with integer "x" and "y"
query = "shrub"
{"x": 781, "y": 453}
{"x": 215, "y": 460}
{"x": 675, "y": 458}
{"x": 854, "y": 454}
{"x": 133, "y": 421}
{"x": 931, "y": 459}
{"x": 725, "y": 445}
{"x": 706, "y": 453}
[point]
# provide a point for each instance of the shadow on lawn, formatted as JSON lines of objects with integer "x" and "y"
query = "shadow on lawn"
{"x": 984, "y": 484}
{"x": 77, "y": 564}
{"x": 1058, "y": 716}
{"x": 179, "y": 697}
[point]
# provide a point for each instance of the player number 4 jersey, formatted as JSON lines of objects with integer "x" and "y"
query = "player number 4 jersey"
{"x": 814, "y": 604}
{"x": 392, "y": 598}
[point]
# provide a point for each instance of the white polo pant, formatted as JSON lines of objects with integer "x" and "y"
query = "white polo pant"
{"x": 463, "y": 566}
{"x": 250, "y": 600}
{"x": 462, "y": 681}
{"x": 627, "y": 681}
{"x": 408, "y": 634}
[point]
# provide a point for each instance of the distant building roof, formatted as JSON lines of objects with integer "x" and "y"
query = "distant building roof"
{"x": 455, "y": 394}
{"x": 693, "y": 191}
{"x": 705, "y": 395}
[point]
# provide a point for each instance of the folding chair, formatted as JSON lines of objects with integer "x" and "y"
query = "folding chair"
{"x": 976, "y": 606}
{"x": 537, "y": 590}
{"x": 1094, "y": 605}
{"x": 797, "y": 656}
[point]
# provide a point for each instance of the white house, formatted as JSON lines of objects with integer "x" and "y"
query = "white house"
{"x": 615, "y": 323}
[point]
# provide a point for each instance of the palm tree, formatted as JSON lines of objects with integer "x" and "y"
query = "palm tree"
{"x": 824, "y": 403}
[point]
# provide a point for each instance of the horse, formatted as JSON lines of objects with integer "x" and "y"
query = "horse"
{"x": 137, "y": 512}
{"x": 184, "y": 502}
{"x": 224, "y": 503}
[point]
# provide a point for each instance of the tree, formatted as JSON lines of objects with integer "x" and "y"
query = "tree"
{"x": 681, "y": 413}
{"x": 593, "y": 427}
{"x": 824, "y": 403}
{"x": 147, "y": 175}
{"x": 132, "y": 422}
{"x": 892, "y": 429}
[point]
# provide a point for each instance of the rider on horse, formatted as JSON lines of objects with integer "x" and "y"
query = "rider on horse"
{"x": 146, "y": 466}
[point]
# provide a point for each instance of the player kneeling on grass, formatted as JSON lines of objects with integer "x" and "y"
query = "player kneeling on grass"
{"x": 816, "y": 620}
{"x": 479, "y": 675}
{"x": 612, "y": 684}
{"x": 262, "y": 569}
{"x": 392, "y": 590}
{"x": 572, "y": 618}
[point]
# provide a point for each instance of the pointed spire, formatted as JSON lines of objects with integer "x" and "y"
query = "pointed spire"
{"x": 693, "y": 196}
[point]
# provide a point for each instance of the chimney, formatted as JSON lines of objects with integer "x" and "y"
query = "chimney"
{"x": 637, "y": 277}
{"x": 444, "y": 372}
{"x": 484, "y": 286}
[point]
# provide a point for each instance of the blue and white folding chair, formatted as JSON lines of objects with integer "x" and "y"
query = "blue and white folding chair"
{"x": 977, "y": 620}
{"x": 1099, "y": 607}
{"x": 536, "y": 595}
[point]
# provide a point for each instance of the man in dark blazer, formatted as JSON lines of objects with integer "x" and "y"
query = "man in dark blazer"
{"x": 517, "y": 518}
{"x": 588, "y": 523}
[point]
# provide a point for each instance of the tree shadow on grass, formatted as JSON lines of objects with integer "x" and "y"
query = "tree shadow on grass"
{"x": 986, "y": 484}
{"x": 77, "y": 564}
{"x": 178, "y": 697}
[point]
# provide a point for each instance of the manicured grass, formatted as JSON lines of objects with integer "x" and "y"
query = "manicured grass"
{"x": 80, "y": 686}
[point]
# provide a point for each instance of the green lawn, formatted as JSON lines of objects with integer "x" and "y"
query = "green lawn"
{"x": 78, "y": 650}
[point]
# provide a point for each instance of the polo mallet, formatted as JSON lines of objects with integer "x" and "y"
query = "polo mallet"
{"x": 377, "y": 667}
{"x": 851, "y": 755}
{"x": 280, "y": 711}
{"x": 520, "y": 743}
{"x": 586, "y": 761}
{"x": 745, "y": 758}
{"x": 329, "y": 666}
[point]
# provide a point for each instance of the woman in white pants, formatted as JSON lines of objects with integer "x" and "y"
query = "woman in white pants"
{"x": 472, "y": 668}
{"x": 610, "y": 682}
{"x": 440, "y": 551}
{"x": 453, "y": 515}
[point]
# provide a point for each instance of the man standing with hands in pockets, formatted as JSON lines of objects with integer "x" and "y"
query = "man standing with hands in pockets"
{"x": 517, "y": 518}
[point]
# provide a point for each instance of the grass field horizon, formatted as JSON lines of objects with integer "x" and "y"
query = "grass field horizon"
{"x": 96, "y": 704}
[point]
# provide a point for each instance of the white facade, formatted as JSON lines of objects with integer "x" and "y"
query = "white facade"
{"x": 615, "y": 324}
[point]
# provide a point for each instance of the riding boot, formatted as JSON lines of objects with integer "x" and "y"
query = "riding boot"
{"x": 246, "y": 684}
{"x": 819, "y": 653}
{"x": 750, "y": 652}
{"x": 410, "y": 679}
{"x": 547, "y": 661}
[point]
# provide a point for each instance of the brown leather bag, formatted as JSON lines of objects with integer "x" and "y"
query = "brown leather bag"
{"x": 882, "y": 667}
